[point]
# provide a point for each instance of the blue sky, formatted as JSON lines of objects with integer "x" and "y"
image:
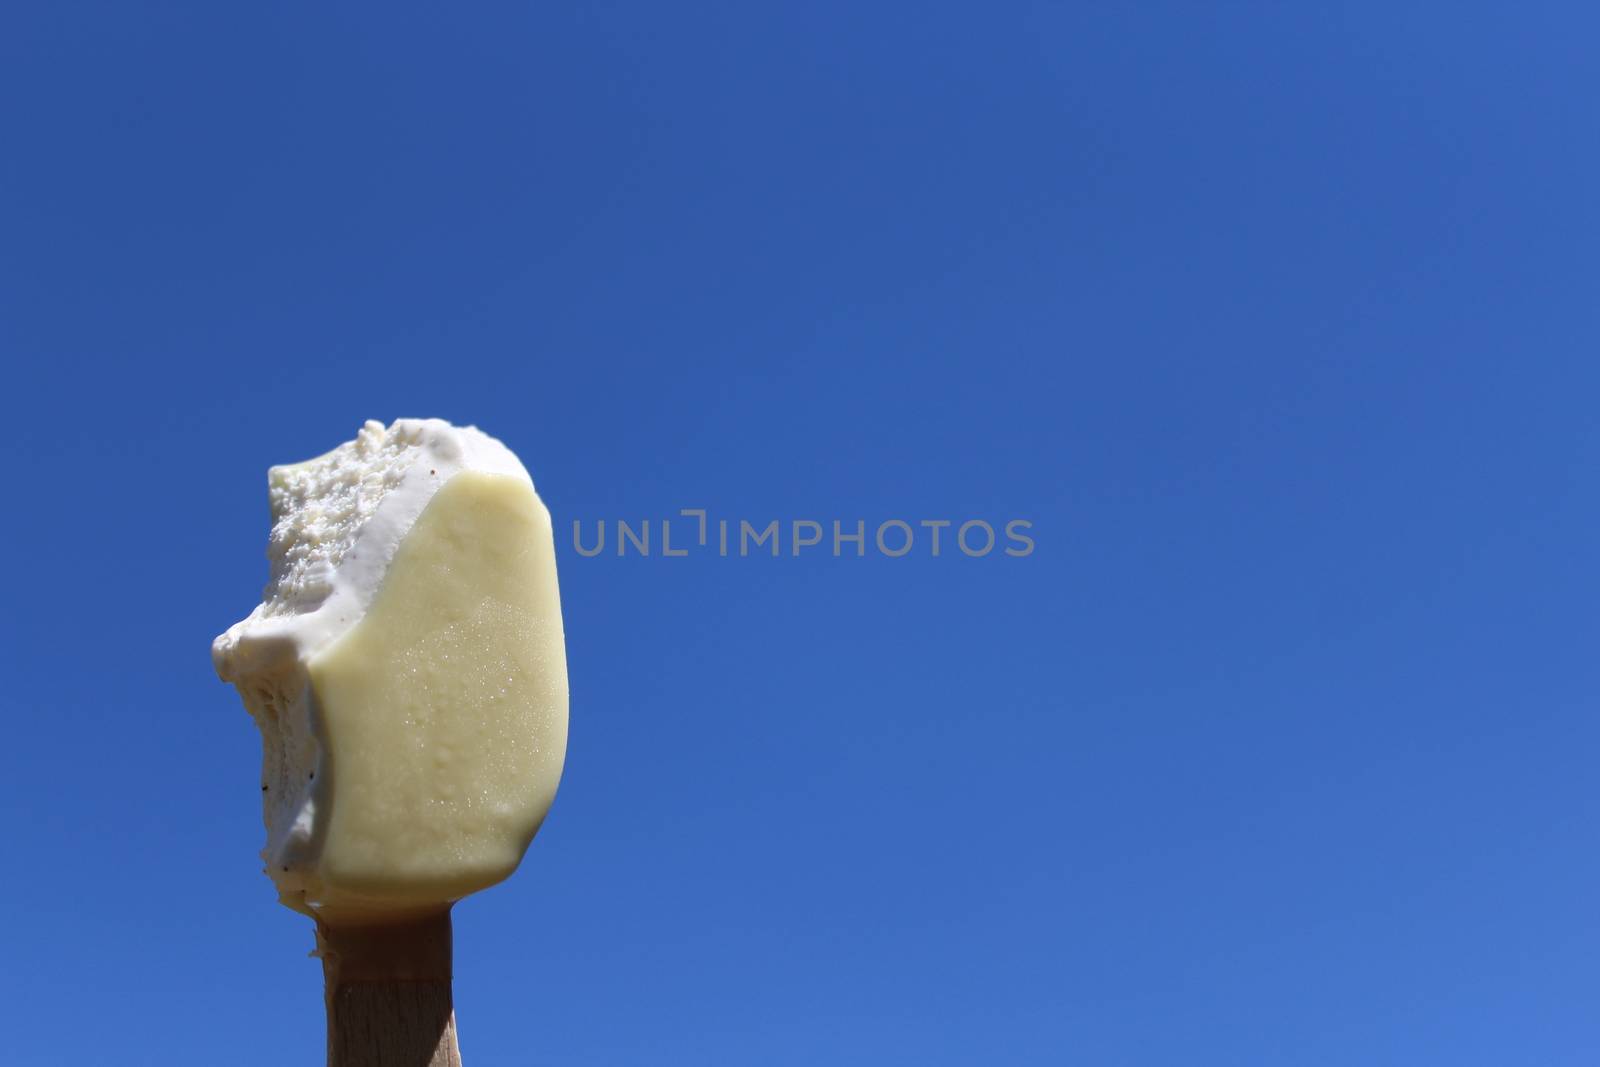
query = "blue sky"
{"x": 1277, "y": 322}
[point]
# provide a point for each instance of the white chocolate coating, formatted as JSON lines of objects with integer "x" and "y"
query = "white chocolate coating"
{"x": 406, "y": 668}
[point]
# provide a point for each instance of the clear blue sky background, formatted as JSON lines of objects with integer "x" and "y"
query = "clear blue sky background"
{"x": 1278, "y": 321}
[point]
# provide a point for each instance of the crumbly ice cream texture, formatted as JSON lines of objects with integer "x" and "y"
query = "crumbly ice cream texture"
{"x": 407, "y": 670}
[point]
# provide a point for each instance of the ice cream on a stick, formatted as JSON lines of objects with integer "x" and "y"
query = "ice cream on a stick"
{"x": 407, "y": 670}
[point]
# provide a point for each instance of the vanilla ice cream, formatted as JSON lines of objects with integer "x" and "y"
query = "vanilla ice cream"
{"x": 407, "y": 670}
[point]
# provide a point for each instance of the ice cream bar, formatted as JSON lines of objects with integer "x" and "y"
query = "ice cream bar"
{"x": 407, "y": 670}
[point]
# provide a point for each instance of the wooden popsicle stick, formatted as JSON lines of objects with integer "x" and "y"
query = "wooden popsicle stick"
{"x": 388, "y": 993}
